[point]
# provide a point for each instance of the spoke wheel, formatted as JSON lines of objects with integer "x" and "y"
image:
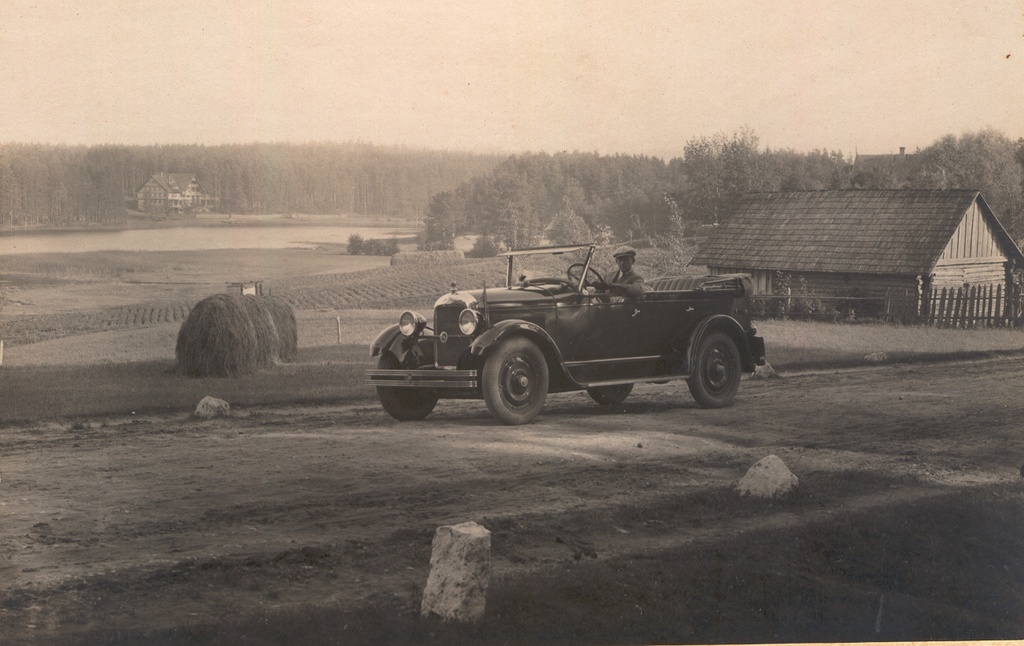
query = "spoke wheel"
{"x": 515, "y": 381}
{"x": 716, "y": 371}
{"x": 404, "y": 404}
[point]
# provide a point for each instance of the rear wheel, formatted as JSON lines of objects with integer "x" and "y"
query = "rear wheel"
{"x": 515, "y": 381}
{"x": 404, "y": 404}
{"x": 716, "y": 371}
{"x": 610, "y": 395}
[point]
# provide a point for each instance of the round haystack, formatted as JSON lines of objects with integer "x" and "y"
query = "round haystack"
{"x": 283, "y": 317}
{"x": 227, "y": 335}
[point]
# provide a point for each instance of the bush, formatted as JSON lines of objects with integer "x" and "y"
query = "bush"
{"x": 486, "y": 246}
{"x": 228, "y": 335}
{"x": 371, "y": 246}
{"x": 801, "y": 303}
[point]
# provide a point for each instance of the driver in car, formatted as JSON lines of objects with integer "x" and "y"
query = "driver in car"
{"x": 625, "y": 282}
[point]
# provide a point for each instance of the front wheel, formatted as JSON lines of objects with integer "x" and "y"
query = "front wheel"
{"x": 515, "y": 381}
{"x": 404, "y": 404}
{"x": 715, "y": 379}
{"x": 610, "y": 395}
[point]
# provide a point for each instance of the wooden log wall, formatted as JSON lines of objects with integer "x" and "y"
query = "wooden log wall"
{"x": 827, "y": 283}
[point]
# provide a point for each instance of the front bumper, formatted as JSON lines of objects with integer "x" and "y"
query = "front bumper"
{"x": 423, "y": 378}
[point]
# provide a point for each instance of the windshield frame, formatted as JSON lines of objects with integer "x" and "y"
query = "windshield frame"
{"x": 512, "y": 254}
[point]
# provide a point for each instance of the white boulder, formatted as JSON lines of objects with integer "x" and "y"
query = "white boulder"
{"x": 211, "y": 407}
{"x": 764, "y": 372}
{"x": 876, "y": 357}
{"x": 769, "y": 478}
{"x": 460, "y": 570}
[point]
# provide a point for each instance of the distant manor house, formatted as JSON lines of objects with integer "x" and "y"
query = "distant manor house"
{"x": 173, "y": 193}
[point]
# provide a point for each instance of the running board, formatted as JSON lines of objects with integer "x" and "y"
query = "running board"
{"x": 639, "y": 380}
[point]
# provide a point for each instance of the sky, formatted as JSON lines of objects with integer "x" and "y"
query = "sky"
{"x": 632, "y": 77}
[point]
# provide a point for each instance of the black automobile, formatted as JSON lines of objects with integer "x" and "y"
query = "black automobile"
{"x": 512, "y": 345}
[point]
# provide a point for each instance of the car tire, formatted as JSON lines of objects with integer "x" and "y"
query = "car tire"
{"x": 404, "y": 404}
{"x": 515, "y": 381}
{"x": 610, "y": 395}
{"x": 715, "y": 379}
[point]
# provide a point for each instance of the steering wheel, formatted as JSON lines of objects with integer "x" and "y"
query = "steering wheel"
{"x": 578, "y": 268}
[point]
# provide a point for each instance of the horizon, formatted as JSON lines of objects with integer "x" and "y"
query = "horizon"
{"x": 457, "y": 151}
{"x": 512, "y": 78}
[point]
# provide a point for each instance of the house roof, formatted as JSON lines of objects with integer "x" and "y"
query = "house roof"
{"x": 897, "y": 168}
{"x": 172, "y": 182}
{"x": 874, "y": 162}
{"x": 855, "y": 231}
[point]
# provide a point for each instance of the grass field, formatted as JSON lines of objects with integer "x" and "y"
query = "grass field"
{"x": 795, "y": 345}
{"x": 134, "y": 370}
{"x": 110, "y": 320}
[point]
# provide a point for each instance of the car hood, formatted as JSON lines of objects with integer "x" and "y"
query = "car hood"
{"x": 496, "y": 296}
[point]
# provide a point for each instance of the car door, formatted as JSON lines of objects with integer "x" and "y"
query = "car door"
{"x": 600, "y": 337}
{"x": 667, "y": 322}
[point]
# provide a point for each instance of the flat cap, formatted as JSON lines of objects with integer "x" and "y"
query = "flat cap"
{"x": 624, "y": 250}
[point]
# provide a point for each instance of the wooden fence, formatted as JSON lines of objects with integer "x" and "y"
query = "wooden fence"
{"x": 964, "y": 307}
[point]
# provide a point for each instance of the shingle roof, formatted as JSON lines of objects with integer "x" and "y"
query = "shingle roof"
{"x": 181, "y": 180}
{"x": 173, "y": 182}
{"x": 856, "y": 231}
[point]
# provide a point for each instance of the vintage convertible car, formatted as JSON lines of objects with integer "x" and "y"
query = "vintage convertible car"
{"x": 513, "y": 345}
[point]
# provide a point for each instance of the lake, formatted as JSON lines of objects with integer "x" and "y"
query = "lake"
{"x": 265, "y": 236}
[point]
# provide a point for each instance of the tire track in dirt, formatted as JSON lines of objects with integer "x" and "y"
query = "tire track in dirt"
{"x": 340, "y": 502}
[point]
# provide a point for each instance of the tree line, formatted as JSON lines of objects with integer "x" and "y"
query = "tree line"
{"x": 50, "y": 185}
{"x": 511, "y": 201}
{"x": 576, "y": 197}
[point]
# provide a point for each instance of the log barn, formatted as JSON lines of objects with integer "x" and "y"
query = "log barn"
{"x": 863, "y": 243}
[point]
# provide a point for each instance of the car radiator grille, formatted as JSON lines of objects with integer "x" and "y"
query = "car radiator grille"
{"x": 446, "y": 320}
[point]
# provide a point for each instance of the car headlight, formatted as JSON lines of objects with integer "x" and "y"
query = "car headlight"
{"x": 468, "y": 321}
{"x": 411, "y": 323}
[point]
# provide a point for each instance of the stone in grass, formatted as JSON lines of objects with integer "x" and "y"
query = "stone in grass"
{"x": 460, "y": 569}
{"x": 211, "y": 407}
{"x": 876, "y": 357}
{"x": 764, "y": 372}
{"x": 769, "y": 478}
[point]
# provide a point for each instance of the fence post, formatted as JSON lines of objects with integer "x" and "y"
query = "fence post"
{"x": 999, "y": 306}
{"x": 961, "y": 300}
{"x": 971, "y": 320}
{"x": 1017, "y": 305}
{"x": 988, "y": 308}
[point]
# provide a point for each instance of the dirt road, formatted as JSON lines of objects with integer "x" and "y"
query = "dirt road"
{"x": 145, "y": 523}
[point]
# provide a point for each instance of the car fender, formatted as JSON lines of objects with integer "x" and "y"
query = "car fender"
{"x": 721, "y": 323}
{"x": 483, "y": 344}
{"x": 384, "y": 340}
{"x": 392, "y": 340}
{"x": 399, "y": 345}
